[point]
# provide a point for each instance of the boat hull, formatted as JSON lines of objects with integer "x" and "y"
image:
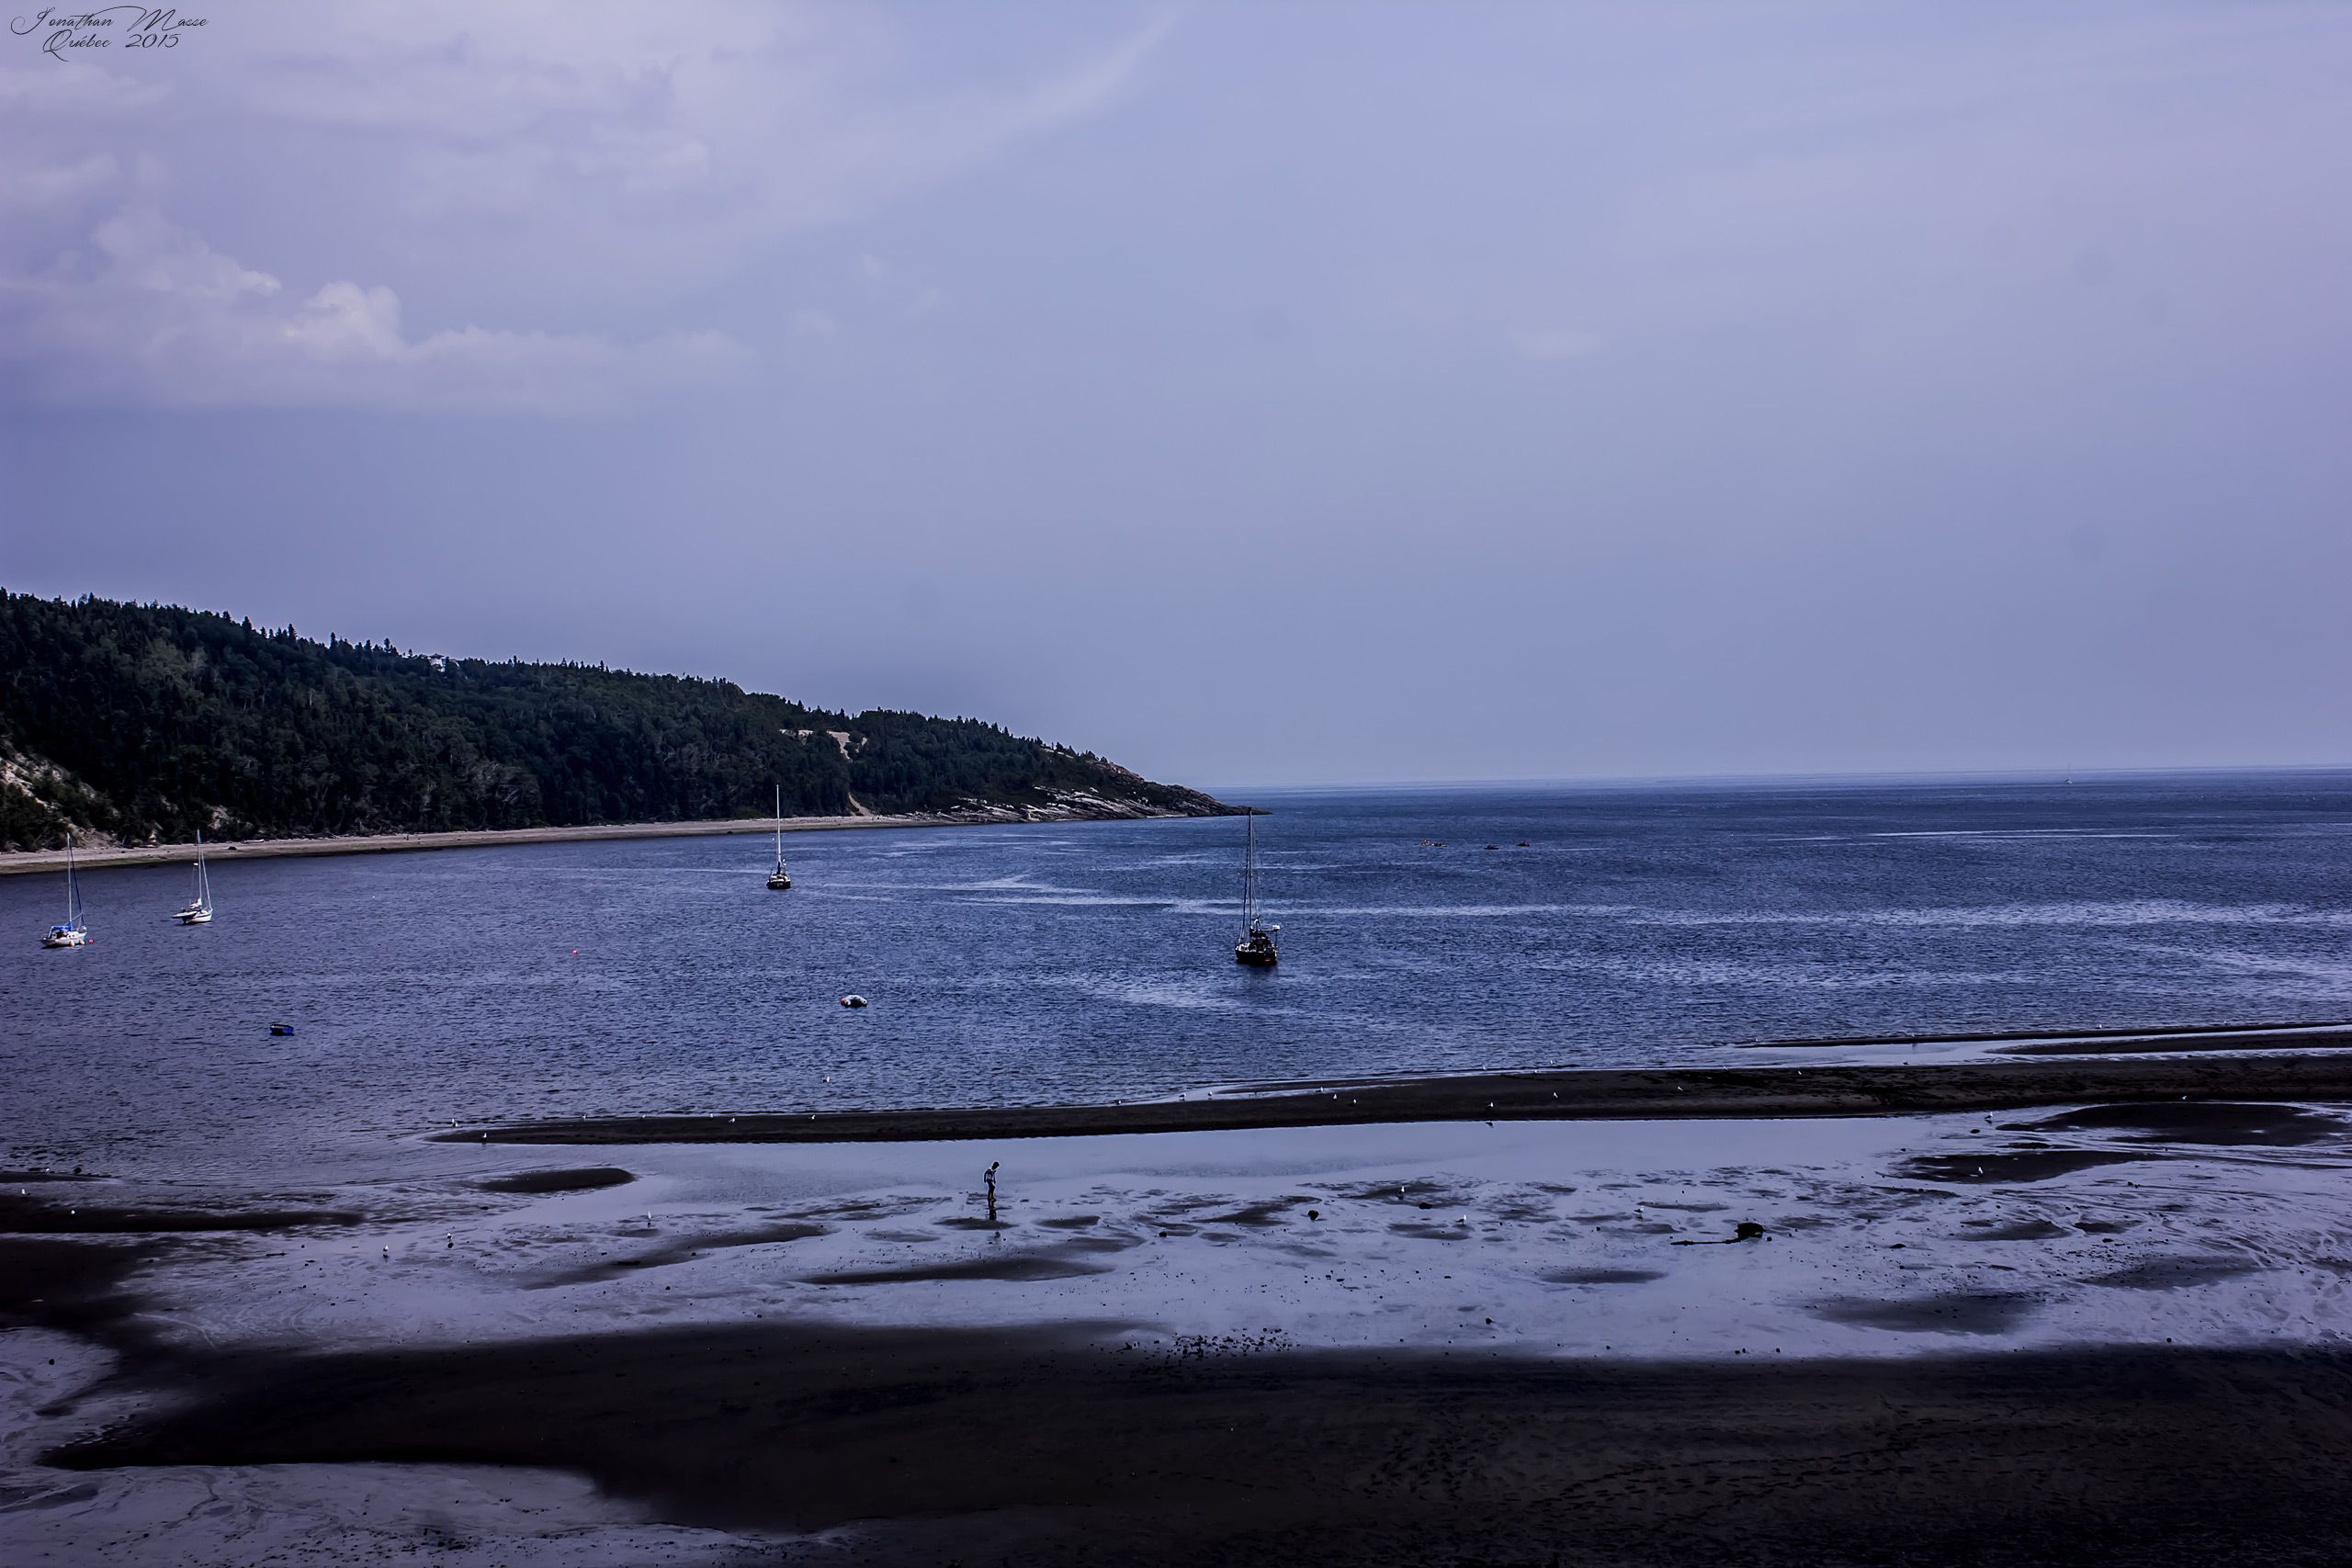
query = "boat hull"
{"x": 779, "y": 882}
{"x": 194, "y": 917}
{"x": 1256, "y": 957}
{"x": 66, "y": 939}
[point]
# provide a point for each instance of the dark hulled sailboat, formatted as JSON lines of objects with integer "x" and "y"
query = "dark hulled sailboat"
{"x": 1257, "y": 944}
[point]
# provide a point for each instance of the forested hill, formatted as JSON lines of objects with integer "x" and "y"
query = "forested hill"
{"x": 133, "y": 723}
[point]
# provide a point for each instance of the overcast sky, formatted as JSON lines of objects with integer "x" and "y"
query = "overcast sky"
{"x": 1253, "y": 393}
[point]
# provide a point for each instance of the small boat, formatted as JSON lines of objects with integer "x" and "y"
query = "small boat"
{"x": 199, "y": 908}
{"x": 779, "y": 878}
{"x": 1256, "y": 947}
{"x": 75, "y": 932}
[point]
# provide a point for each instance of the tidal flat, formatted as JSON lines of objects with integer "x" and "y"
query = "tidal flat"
{"x": 2082, "y": 1331}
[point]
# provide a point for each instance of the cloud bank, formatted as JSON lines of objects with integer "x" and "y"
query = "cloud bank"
{"x": 536, "y": 171}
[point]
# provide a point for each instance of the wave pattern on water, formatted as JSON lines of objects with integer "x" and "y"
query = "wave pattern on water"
{"x": 1602, "y": 927}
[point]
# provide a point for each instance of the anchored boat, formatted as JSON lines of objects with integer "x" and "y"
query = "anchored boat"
{"x": 779, "y": 878}
{"x": 199, "y": 908}
{"x": 73, "y": 932}
{"x": 1257, "y": 944}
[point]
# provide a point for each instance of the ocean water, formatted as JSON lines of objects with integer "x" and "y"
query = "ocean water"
{"x": 1423, "y": 931}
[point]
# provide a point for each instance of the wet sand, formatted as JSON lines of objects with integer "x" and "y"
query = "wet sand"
{"x": 2103, "y": 1331}
{"x": 1564, "y": 1095}
{"x": 2327, "y": 1034}
{"x": 1034, "y": 1447}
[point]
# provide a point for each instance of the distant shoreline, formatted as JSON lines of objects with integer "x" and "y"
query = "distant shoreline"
{"x": 21, "y": 862}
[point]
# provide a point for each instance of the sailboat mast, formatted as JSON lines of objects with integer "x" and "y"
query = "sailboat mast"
{"x": 1249, "y": 877}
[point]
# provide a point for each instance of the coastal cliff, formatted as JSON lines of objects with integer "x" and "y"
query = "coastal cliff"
{"x": 135, "y": 724}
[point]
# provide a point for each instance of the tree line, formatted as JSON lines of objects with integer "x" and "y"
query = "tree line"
{"x": 147, "y": 722}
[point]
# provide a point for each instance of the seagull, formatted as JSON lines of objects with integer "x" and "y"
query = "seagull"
{"x": 388, "y": 1252}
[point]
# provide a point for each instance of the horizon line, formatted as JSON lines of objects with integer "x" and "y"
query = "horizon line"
{"x": 1888, "y": 775}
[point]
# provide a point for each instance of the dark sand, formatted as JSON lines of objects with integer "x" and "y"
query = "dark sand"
{"x": 2195, "y": 1122}
{"x": 1567, "y": 1094}
{"x": 1954, "y": 1312}
{"x": 587, "y": 1178}
{"x": 75, "y": 1287}
{"x": 2276, "y": 1037}
{"x": 1048, "y": 1446}
{"x": 684, "y": 1248}
{"x": 60, "y": 1214}
{"x": 2011, "y": 1165}
{"x": 2324, "y": 1034}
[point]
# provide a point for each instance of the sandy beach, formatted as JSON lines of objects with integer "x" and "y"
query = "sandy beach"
{"x": 2084, "y": 1330}
{"x": 20, "y": 862}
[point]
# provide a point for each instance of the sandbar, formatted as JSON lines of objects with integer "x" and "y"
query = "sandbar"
{"x": 1572, "y": 1094}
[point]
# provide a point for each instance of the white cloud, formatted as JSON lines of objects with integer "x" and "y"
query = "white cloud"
{"x": 532, "y": 160}
{"x": 814, "y": 323}
{"x": 44, "y": 185}
{"x": 152, "y": 315}
{"x": 925, "y": 302}
{"x": 672, "y": 150}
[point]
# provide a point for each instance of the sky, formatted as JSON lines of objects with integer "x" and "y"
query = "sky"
{"x": 1250, "y": 393}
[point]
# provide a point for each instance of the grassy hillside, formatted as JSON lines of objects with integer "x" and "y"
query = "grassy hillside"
{"x": 132, "y": 722}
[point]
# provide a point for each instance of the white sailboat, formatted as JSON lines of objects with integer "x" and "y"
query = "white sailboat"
{"x": 1257, "y": 944}
{"x": 199, "y": 908}
{"x": 73, "y": 932}
{"x": 779, "y": 878}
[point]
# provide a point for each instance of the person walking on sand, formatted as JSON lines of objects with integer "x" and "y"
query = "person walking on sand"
{"x": 989, "y": 1176}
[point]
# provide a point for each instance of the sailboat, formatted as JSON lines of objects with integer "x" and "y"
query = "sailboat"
{"x": 73, "y": 932}
{"x": 199, "y": 908}
{"x": 779, "y": 878}
{"x": 1257, "y": 944}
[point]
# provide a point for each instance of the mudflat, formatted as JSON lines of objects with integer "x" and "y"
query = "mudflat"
{"x": 2104, "y": 1331}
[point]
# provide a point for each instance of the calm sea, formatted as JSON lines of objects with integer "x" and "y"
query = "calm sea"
{"x": 1423, "y": 931}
